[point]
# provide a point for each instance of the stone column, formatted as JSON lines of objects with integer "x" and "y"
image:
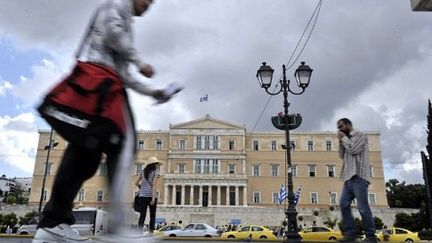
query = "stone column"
{"x": 173, "y": 199}
{"x": 245, "y": 196}
{"x": 210, "y": 195}
{"x": 200, "y": 195}
{"x": 237, "y": 195}
{"x": 183, "y": 195}
{"x": 218, "y": 199}
{"x": 166, "y": 195}
{"x": 191, "y": 201}
{"x": 227, "y": 195}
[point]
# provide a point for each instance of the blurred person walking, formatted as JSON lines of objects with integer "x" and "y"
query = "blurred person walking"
{"x": 355, "y": 173}
{"x": 90, "y": 110}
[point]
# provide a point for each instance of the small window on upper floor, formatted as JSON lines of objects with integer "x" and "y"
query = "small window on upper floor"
{"x": 158, "y": 144}
{"x": 328, "y": 145}
{"x": 310, "y": 146}
{"x": 182, "y": 144}
{"x": 231, "y": 145}
{"x": 273, "y": 145}
{"x": 140, "y": 145}
{"x": 255, "y": 145}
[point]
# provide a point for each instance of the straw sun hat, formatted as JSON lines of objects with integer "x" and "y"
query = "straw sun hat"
{"x": 151, "y": 160}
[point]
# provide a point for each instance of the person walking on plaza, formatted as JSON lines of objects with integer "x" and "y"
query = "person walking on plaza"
{"x": 147, "y": 184}
{"x": 104, "y": 56}
{"x": 355, "y": 173}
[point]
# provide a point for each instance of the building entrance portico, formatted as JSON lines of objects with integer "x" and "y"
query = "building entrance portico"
{"x": 198, "y": 192}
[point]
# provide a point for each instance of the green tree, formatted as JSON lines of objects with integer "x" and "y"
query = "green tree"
{"x": 330, "y": 223}
{"x": 400, "y": 195}
{"x": 10, "y": 199}
{"x": 27, "y": 217}
{"x": 1, "y": 219}
{"x": 10, "y": 219}
{"x": 378, "y": 223}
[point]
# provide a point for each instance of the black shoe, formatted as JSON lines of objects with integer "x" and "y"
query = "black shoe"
{"x": 348, "y": 239}
{"x": 370, "y": 240}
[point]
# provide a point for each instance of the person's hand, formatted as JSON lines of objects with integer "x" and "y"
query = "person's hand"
{"x": 153, "y": 201}
{"x": 158, "y": 94}
{"x": 340, "y": 135}
{"x": 147, "y": 70}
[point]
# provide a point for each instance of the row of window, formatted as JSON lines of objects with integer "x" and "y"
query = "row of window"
{"x": 313, "y": 198}
{"x": 208, "y": 166}
{"x": 212, "y": 143}
{"x": 212, "y": 166}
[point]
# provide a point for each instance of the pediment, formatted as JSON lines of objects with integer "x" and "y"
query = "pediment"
{"x": 206, "y": 122}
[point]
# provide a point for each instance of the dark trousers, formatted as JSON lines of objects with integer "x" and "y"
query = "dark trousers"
{"x": 78, "y": 164}
{"x": 145, "y": 201}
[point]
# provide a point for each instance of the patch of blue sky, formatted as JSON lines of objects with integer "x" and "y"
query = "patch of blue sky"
{"x": 12, "y": 171}
{"x": 15, "y": 63}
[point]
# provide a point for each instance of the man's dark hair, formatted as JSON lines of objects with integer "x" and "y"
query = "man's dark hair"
{"x": 345, "y": 121}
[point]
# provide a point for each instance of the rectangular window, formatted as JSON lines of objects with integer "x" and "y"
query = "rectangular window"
{"x": 198, "y": 166}
{"x": 328, "y": 145}
{"x": 215, "y": 142}
{"x": 231, "y": 169}
{"x": 273, "y": 145}
{"x": 333, "y": 198}
{"x": 275, "y": 170}
{"x": 312, "y": 170}
{"x": 45, "y": 195}
{"x": 275, "y": 197}
{"x": 257, "y": 197}
{"x": 48, "y": 168}
{"x": 215, "y": 166}
{"x": 103, "y": 169}
{"x": 310, "y": 146}
{"x": 256, "y": 170}
{"x": 292, "y": 145}
{"x": 294, "y": 170}
{"x": 138, "y": 169}
{"x": 158, "y": 144}
{"x": 206, "y": 166}
{"x": 81, "y": 195}
{"x": 99, "y": 196}
{"x": 207, "y": 142}
{"x": 231, "y": 145}
{"x": 181, "y": 168}
{"x": 371, "y": 170}
{"x": 182, "y": 144}
{"x": 140, "y": 144}
{"x": 255, "y": 145}
{"x": 314, "y": 197}
{"x": 372, "y": 199}
{"x": 198, "y": 142}
{"x": 331, "y": 170}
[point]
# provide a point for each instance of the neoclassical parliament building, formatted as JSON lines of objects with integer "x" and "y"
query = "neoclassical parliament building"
{"x": 210, "y": 163}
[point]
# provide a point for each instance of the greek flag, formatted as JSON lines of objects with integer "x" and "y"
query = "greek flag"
{"x": 204, "y": 98}
{"x": 283, "y": 194}
{"x": 297, "y": 195}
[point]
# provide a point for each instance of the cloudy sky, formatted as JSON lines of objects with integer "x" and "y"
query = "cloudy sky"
{"x": 372, "y": 62}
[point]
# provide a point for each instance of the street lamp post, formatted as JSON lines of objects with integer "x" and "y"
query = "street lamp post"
{"x": 51, "y": 144}
{"x": 289, "y": 122}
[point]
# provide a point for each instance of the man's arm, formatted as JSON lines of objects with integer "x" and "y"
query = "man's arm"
{"x": 341, "y": 150}
{"x": 356, "y": 144}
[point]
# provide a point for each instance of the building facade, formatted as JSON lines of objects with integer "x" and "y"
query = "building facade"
{"x": 212, "y": 163}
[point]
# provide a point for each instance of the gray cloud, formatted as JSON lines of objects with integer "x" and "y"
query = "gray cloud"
{"x": 371, "y": 60}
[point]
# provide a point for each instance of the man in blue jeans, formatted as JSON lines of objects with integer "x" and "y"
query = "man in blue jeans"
{"x": 355, "y": 173}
